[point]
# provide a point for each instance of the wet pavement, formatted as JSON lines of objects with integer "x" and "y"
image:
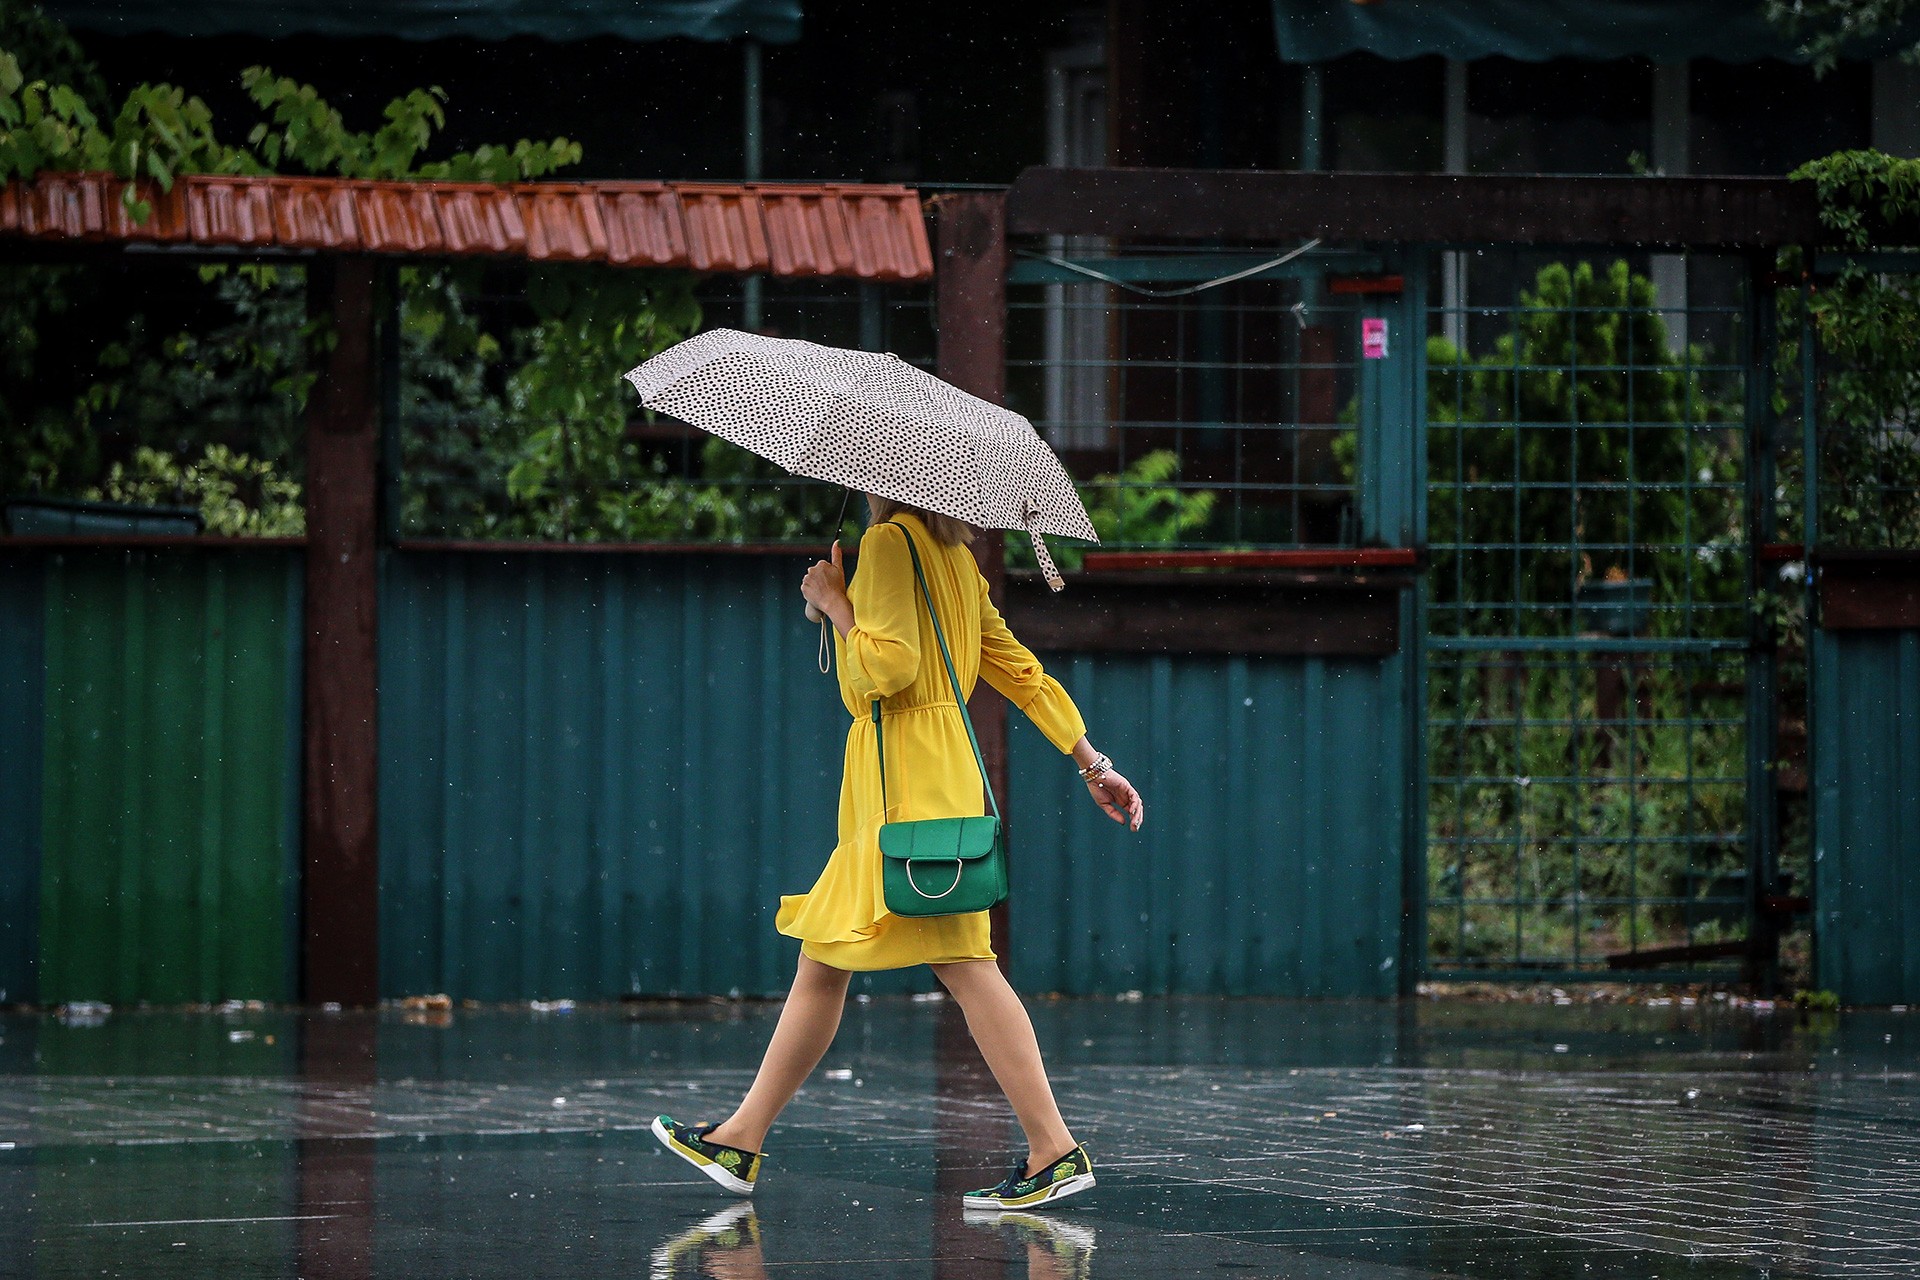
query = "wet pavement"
{"x": 1243, "y": 1138}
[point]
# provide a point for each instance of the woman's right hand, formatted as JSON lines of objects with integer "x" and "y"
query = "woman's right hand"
{"x": 1120, "y": 798}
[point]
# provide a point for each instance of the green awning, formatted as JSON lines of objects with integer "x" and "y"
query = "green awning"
{"x": 1663, "y": 30}
{"x": 775, "y": 21}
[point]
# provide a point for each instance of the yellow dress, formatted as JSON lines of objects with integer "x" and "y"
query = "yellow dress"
{"x": 891, "y": 654}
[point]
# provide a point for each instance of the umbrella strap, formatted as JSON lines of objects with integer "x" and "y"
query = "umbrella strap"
{"x": 879, "y": 743}
{"x": 825, "y": 658}
{"x": 1044, "y": 559}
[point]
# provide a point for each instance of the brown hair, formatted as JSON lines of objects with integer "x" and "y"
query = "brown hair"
{"x": 945, "y": 529}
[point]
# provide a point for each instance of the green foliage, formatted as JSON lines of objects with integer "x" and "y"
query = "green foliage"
{"x": 523, "y": 448}
{"x": 515, "y": 427}
{"x": 1863, "y": 194}
{"x": 1821, "y": 1001}
{"x": 302, "y": 133}
{"x": 1866, "y": 325}
{"x": 46, "y": 444}
{"x": 1832, "y": 29}
{"x": 41, "y": 49}
{"x": 577, "y": 467}
{"x": 240, "y": 376}
{"x": 238, "y": 496}
{"x": 1546, "y": 441}
{"x": 1539, "y": 813}
{"x": 1144, "y": 505}
{"x": 159, "y": 133}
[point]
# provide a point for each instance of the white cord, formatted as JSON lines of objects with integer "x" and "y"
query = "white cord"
{"x": 1144, "y": 292}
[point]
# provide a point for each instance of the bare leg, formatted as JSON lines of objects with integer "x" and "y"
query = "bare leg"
{"x": 1003, "y": 1031}
{"x": 807, "y": 1023}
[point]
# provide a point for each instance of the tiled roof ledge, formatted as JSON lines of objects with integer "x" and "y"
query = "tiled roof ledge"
{"x": 812, "y": 230}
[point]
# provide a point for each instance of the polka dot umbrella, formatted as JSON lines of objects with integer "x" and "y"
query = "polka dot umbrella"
{"x": 872, "y": 422}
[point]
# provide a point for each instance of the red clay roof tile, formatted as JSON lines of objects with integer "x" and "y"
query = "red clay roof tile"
{"x": 806, "y": 233}
{"x": 860, "y": 232}
{"x": 166, "y": 221}
{"x": 479, "y": 219}
{"x": 726, "y": 230}
{"x": 233, "y": 211}
{"x": 320, "y": 214}
{"x": 644, "y": 224}
{"x": 396, "y": 218}
{"x": 72, "y": 205}
{"x": 562, "y": 223}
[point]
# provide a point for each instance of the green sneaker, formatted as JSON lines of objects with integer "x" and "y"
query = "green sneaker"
{"x": 731, "y": 1167}
{"x": 1071, "y": 1174}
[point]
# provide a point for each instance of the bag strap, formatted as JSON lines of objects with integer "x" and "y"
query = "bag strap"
{"x": 879, "y": 737}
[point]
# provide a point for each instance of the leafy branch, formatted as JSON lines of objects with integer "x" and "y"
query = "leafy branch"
{"x": 1867, "y": 326}
{"x": 1832, "y": 29}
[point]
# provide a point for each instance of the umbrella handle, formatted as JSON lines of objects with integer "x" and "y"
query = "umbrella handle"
{"x": 813, "y": 614}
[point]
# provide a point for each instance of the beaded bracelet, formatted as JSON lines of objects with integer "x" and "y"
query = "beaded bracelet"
{"x": 1098, "y": 769}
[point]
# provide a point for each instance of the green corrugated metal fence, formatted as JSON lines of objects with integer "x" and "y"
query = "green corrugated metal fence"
{"x": 1866, "y": 858}
{"x": 1271, "y": 859}
{"x": 598, "y": 773}
{"x": 595, "y": 783}
{"x": 166, "y": 750}
{"x": 21, "y": 648}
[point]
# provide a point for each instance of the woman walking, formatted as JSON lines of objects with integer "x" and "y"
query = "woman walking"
{"x": 888, "y": 652}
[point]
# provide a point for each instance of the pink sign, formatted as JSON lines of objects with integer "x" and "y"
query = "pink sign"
{"x": 1373, "y": 338}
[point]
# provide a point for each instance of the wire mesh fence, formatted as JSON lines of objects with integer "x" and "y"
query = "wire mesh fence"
{"x": 1202, "y": 399}
{"x": 1587, "y": 626}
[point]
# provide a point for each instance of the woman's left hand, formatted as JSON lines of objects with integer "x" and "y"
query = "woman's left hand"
{"x": 825, "y": 588}
{"x": 1119, "y": 798}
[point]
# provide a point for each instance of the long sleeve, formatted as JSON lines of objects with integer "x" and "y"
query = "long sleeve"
{"x": 1011, "y": 668}
{"x": 881, "y": 654}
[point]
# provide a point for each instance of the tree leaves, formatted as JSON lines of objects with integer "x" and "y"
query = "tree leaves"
{"x": 237, "y": 366}
{"x": 1833, "y": 29}
{"x": 1867, "y": 325}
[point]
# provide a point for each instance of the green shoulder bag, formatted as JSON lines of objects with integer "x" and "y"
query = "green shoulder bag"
{"x": 941, "y": 866}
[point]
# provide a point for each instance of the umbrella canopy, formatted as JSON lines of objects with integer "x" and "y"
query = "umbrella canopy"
{"x": 873, "y": 422}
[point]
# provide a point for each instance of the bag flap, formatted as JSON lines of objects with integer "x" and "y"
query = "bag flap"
{"x": 941, "y": 838}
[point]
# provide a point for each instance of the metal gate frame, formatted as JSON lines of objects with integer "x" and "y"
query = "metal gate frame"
{"x": 1758, "y": 960}
{"x": 1418, "y": 213}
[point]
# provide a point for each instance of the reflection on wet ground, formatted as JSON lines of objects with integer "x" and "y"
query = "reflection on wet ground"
{"x": 1257, "y": 1138}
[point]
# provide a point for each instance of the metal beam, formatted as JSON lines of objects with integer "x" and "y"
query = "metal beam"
{"x": 341, "y": 884}
{"x": 1414, "y": 208}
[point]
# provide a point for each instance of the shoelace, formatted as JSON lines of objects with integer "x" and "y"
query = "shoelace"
{"x": 1015, "y": 1176}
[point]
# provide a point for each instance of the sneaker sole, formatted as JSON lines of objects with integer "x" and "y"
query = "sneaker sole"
{"x": 1058, "y": 1191}
{"x": 739, "y": 1186}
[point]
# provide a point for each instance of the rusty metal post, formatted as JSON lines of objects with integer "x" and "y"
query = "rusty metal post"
{"x": 970, "y": 318}
{"x": 340, "y": 885}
